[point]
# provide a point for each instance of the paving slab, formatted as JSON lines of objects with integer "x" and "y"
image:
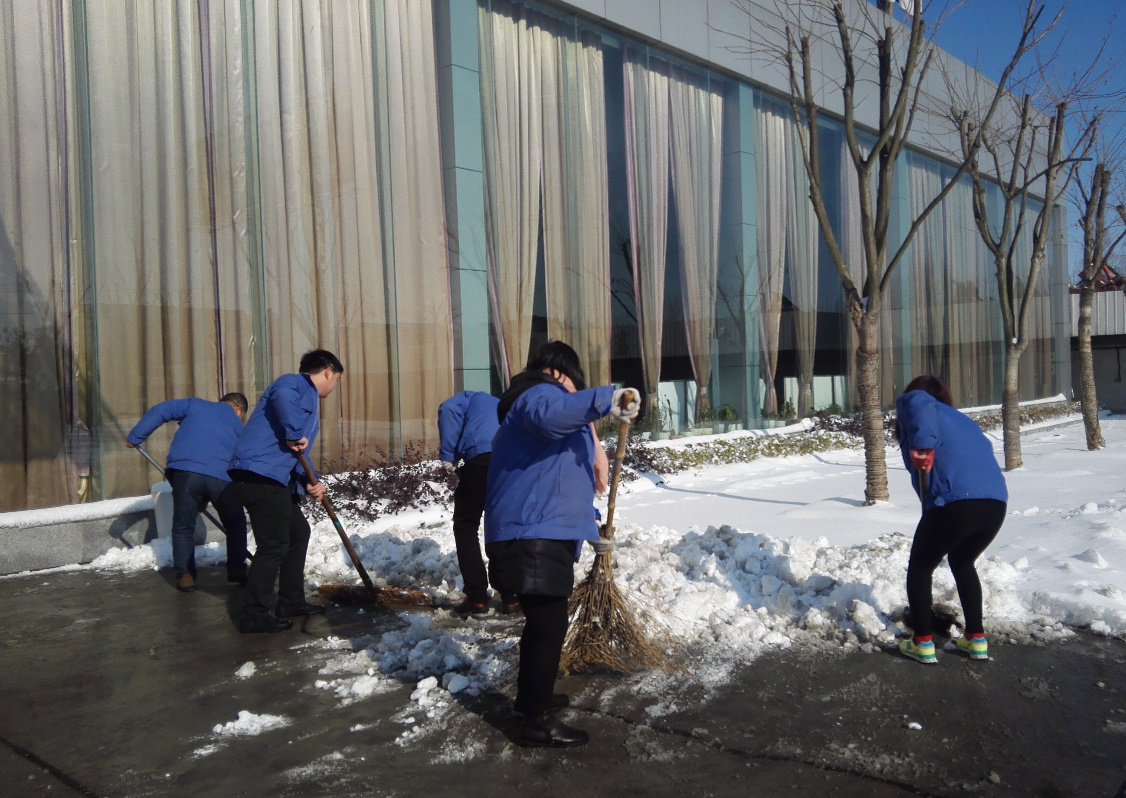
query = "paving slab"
{"x": 112, "y": 684}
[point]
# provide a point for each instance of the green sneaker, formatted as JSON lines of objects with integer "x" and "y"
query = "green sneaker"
{"x": 975, "y": 647}
{"x": 920, "y": 652}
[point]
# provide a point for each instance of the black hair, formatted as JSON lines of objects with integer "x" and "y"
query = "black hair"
{"x": 558, "y": 356}
{"x": 237, "y": 400}
{"x": 318, "y": 360}
{"x": 930, "y": 384}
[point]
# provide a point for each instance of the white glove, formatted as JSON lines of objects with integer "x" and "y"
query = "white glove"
{"x": 601, "y": 546}
{"x": 450, "y": 467}
{"x": 626, "y": 404}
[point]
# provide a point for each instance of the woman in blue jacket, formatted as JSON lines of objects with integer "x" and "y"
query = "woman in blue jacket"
{"x": 538, "y": 511}
{"x": 963, "y": 508}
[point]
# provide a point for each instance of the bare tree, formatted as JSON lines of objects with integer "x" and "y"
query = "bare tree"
{"x": 1025, "y": 158}
{"x": 1101, "y": 236}
{"x": 859, "y": 34}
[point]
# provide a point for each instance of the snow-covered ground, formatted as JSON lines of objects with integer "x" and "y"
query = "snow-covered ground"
{"x": 740, "y": 560}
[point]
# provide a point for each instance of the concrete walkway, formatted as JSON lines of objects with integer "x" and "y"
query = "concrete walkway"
{"x": 111, "y": 684}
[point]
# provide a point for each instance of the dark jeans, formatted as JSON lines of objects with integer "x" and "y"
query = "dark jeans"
{"x": 190, "y": 494}
{"x": 469, "y": 506}
{"x": 961, "y": 531}
{"x": 281, "y": 534}
{"x": 541, "y": 644}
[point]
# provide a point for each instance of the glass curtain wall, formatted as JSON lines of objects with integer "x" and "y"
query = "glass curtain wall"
{"x": 194, "y": 194}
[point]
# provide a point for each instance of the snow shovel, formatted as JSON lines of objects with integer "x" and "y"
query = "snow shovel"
{"x": 208, "y": 515}
{"x": 354, "y": 594}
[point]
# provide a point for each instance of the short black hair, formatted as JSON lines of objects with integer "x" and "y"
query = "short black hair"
{"x": 318, "y": 360}
{"x": 560, "y": 357}
{"x": 237, "y": 400}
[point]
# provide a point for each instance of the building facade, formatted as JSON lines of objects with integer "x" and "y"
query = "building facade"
{"x": 193, "y": 194}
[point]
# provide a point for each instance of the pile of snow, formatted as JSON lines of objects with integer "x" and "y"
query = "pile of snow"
{"x": 248, "y": 724}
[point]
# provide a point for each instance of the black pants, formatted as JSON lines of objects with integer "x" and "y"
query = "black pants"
{"x": 961, "y": 531}
{"x": 281, "y": 534}
{"x": 541, "y": 644}
{"x": 469, "y": 506}
{"x": 190, "y": 494}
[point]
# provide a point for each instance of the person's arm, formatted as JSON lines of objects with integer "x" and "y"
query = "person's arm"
{"x": 917, "y": 414}
{"x": 157, "y": 415}
{"x": 552, "y": 414}
{"x": 601, "y": 465}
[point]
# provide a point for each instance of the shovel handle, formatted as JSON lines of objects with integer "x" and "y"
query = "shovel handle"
{"x": 327, "y": 504}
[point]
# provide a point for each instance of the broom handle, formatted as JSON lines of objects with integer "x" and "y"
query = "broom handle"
{"x": 619, "y": 456}
{"x": 339, "y": 528}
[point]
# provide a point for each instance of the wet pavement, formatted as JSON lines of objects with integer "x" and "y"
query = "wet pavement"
{"x": 112, "y": 683}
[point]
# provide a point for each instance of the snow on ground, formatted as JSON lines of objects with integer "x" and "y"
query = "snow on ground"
{"x": 743, "y": 559}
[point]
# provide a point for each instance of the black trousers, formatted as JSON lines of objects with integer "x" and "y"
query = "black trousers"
{"x": 469, "y": 506}
{"x": 541, "y": 644}
{"x": 960, "y": 531}
{"x": 281, "y": 535}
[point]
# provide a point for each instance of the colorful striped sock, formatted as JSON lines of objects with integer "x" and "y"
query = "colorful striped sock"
{"x": 922, "y": 638}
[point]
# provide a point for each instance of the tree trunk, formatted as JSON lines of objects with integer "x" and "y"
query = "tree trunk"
{"x": 872, "y": 416}
{"x": 1087, "y": 396}
{"x": 1010, "y": 406}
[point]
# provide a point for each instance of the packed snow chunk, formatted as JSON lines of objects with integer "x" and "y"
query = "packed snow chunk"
{"x": 867, "y": 620}
{"x": 421, "y": 692}
{"x": 1092, "y": 556}
{"x": 455, "y": 682}
{"x": 1089, "y": 508}
{"x": 249, "y": 724}
{"x": 246, "y": 671}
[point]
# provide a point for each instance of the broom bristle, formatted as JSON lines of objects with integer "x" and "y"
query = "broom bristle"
{"x": 605, "y": 633}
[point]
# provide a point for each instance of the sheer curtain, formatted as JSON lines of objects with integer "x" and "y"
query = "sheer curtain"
{"x": 647, "y": 178}
{"x": 802, "y": 244}
{"x": 696, "y": 111}
{"x": 37, "y": 332}
{"x": 512, "y": 118}
{"x": 773, "y": 185}
{"x": 576, "y": 212}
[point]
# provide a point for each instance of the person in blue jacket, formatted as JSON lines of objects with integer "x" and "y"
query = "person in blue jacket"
{"x": 196, "y": 469}
{"x": 538, "y": 512}
{"x": 269, "y": 481}
{"x": 964, "y": 506}
{"x": 467, "y": 423}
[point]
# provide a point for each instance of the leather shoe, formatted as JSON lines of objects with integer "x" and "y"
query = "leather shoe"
{"x": 185, "y": 583}
{"x": 237, "y": 579}
{"x": 263, "y": 623}
{"x": 300, "y": 610}
{"x": 509, "y": 605}
{"x": 544, "y": 729}
{"x": 472, "y": 606}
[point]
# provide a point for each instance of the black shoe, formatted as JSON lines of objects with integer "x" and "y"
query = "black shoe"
{"x": 510, "y": 605}
{"x": 544, "y": 729}
{"x": 299, "y": 611}
{"x": 237, "y": 579}
{"x": 557, "y": 702}
{"x": 263, "y": 623}
{"x": 472, "y": 606}
{"x": 185, "y": 583}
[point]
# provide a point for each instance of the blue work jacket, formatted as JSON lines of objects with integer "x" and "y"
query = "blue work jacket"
{"x": 964, "y": 464}
{"x": 467, "y": 423}
{"x": 541, "y": 475}
{"x": 287, "y": 411}
{"x": 207, "y": 435}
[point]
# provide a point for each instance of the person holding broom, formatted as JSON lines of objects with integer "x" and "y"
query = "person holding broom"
{"x": 269, "y": 482}
{"x": 963, "y": 508}
{"x": 538, "y": 511}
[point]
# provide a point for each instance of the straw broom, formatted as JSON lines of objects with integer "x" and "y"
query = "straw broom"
{"x": 604, "y": 632}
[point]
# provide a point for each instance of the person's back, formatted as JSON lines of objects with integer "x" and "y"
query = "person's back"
{"x": 206, "y": 437}
{"x": 964, "y": 464}
{"x": 467, "y": 423}
{"x": 287, "y": 410}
